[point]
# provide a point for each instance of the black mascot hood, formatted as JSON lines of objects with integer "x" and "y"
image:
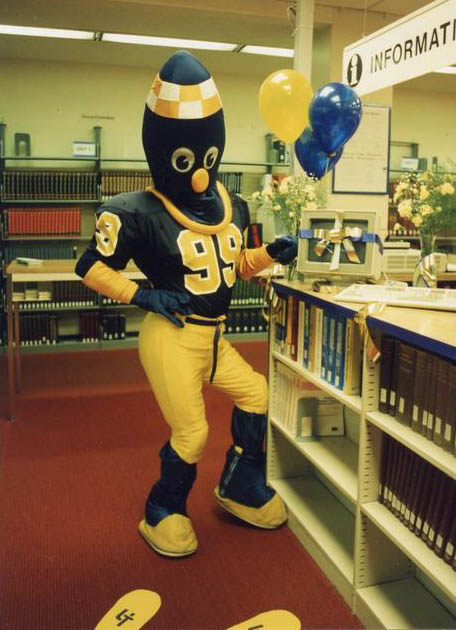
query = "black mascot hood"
{"x": 184, "y": 137}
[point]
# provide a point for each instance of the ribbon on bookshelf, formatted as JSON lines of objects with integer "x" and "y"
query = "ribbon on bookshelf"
{"x": 425, "y": 272}
{"x": 340, "y": 236}
{"x": 372, "y": 308}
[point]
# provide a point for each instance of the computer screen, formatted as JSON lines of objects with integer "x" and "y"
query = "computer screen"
{"x": 316, "y": 252}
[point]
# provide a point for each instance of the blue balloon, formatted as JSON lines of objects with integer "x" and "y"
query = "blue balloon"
{"x": 312, "y": 157}
{"x": 334, "y": 114}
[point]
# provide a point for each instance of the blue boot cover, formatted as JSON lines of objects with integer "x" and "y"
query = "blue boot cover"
{"x": 169, "y": 494}
{"x": 243, "y": 477}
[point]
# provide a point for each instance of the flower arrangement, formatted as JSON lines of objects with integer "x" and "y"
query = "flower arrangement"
{"x": 428, "y": 200}
{"x": 287, "y": 198}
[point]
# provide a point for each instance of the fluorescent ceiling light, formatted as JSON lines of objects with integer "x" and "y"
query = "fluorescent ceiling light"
{"x": 447, "y": 70}
{"x": 7, "y": 29}
{"x": 166, "y": 41}
{"x": 267, "y": 50}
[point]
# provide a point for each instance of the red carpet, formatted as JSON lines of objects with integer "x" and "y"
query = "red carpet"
{"x": 75, "y": 470}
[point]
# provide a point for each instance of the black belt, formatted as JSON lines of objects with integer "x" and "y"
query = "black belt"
{"x": 209, "y": 322}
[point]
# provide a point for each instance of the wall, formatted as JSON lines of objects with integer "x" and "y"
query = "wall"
{"x": 427, "y": 118}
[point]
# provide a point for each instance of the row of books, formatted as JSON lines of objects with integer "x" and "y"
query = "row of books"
{"x": 37, "y": 330}
{"x": 116, "y": 182}
{"x": 42, "y": 221}
{"x": 303, "y": 409}
{"x": 231, "y": 181}
{"x": 108, "y": 326}
{"x": 43, "y": 329}
{"x": 60, "y": 251}
{"x": 324, "y": 342}
{"x": 40, "y": 184}
{"x": 56, "y": 294}
{"x": 45, "y": 184}
{"x": 247, "y": 293}
{"x": 419, "y": 390}
{"x": 245, "y": 321}
{"x": 422, "y": 497}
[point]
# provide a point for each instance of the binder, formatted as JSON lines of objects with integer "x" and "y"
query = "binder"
{"x": 441, "y": 401}
{"x": 419, "y": 389}
{"x": 394, "y": 379}
{"x": 405, "y": 378}
{"x": 386, "y": 368}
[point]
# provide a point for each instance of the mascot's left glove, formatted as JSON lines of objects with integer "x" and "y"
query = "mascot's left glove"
{"x": 164, "y": 302}
{"x": 284, "y": 249}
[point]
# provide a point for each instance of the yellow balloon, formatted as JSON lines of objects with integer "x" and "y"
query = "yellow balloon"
{"x": 284, "y": 100}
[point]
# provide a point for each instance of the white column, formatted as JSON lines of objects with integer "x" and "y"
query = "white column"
{"x": 303, "y": 38}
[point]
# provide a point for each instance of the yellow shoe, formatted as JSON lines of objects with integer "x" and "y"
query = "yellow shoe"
{"x": 173, "y": 536}
{"x": 270, "y": 516}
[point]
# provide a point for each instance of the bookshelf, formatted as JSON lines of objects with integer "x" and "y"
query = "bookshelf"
{"x": 389, "y": 576}
{"x": 38, "y": 194}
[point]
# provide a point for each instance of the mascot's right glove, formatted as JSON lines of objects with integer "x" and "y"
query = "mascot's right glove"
{"x": 284, "y": 249}
{"x": 164, "y": 302}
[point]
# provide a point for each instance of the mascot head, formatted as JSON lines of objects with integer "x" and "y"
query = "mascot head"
{"x": 184, "y": 137}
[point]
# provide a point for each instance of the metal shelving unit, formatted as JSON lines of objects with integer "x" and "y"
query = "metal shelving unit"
{"x": 387, "y": 575}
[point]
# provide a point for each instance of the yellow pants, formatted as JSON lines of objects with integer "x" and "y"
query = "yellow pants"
{"x": 177, "y": 361}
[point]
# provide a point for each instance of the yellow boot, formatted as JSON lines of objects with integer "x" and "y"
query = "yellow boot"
{"x": 166, "y": 526}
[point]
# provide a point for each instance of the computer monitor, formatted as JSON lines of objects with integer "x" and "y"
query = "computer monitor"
{"x": 317, "y": 255}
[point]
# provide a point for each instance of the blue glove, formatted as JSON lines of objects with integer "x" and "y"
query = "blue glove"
{"x": 284, "y": 249}
{"x": 164, "y": 302}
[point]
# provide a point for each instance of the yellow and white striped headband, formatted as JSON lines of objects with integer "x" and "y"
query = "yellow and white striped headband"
{"x": 172, "y": 100}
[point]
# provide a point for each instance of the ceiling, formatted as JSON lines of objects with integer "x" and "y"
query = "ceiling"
{"x": 261, "y": 22}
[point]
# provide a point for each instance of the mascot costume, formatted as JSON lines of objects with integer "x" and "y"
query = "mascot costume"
{"x": 186, "y": 235}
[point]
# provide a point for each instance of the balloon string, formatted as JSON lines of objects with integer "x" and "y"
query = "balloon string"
{"x": 327, "y": 166}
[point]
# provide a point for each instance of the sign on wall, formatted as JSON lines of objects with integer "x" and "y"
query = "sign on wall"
{"x": 363, "y": 167}
{"x": 414, "y": 45}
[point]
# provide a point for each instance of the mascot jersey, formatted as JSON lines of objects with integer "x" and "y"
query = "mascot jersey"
{"x": 172, "y": 256}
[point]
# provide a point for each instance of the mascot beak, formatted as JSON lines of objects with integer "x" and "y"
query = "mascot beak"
{"x": 200, "y": 180}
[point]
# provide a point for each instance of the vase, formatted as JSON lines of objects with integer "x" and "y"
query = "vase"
{"x": 425, "y": 274}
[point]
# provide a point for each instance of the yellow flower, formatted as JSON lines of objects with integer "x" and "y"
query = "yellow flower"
{"x": 291, "y": 215}
{"x": 311, "y": 205}
{"x": 426, "y": 209}
{"x": 405, "y": 208}
{"x": 424, "y": 193}
{"x": 417, "y": 220}
{"x": 446, "y": 189}
{"x": 276, "y": 207}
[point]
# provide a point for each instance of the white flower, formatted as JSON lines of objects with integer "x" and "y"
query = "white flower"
{"x": 446, "y": 189}
{"x": 291, "y": 215}
{"x": 309, "y": 189}
{"x": 417, "y": 220}
{"x": 310, "y": 196}
{"x": 266, "y": 193}
{"x": 405, "y": 208}
{"x": 276, "y": 207}
{"x": 283, "y": 188}
{"x": 255, "y": 195}
{"x": 397, "y": 227}
{"x": 424, "y": 193}
{"x": 311, "y": 205}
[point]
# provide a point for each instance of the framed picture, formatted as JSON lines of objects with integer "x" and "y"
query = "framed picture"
{"x": 364, "y": 166}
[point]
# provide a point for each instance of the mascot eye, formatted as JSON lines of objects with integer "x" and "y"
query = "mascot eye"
{"x": 210, "y": 157}
{"x": 183, "y": 159}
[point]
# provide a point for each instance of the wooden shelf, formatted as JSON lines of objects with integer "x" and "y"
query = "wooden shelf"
{"x": 353, "y": 402}
{"x": 416, "y": 442}
{"x": 335, "y": 457}
{"x": 413, "y": 547}
{"x": 403, "y": 604}
{"x": 323, "y": 526}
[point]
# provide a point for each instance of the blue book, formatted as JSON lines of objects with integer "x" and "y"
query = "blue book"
{"x": 330, "y": 377}
{"x": 340, "y": 352}
{"x": 324, "y": 345}
{"x": 306, "y": 336}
